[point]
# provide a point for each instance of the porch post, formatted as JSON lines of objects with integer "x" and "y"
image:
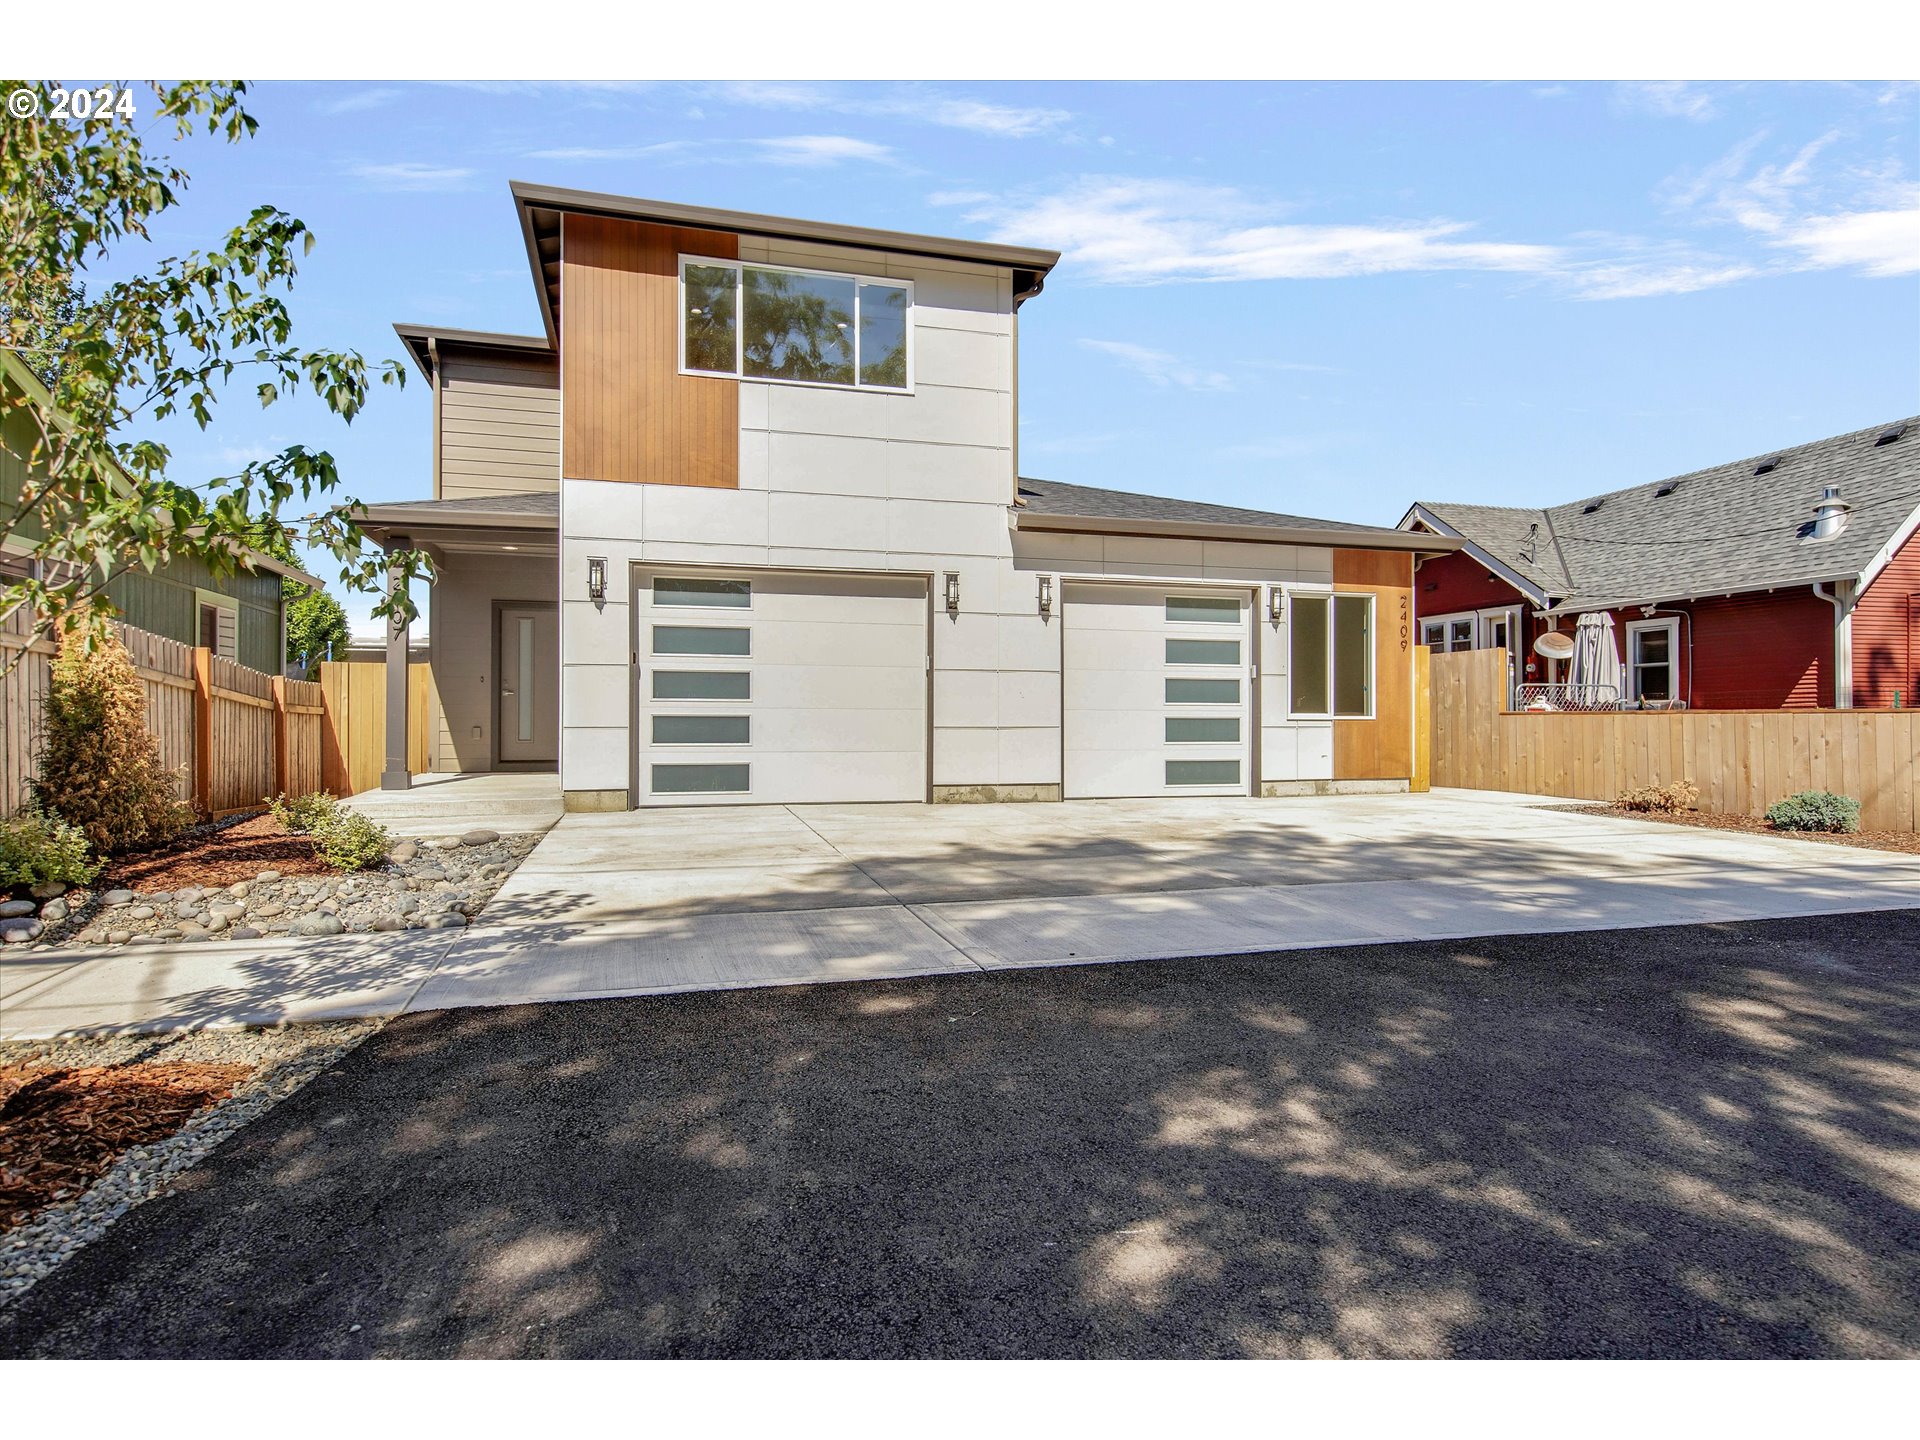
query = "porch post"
{"x": 396, "y": 775}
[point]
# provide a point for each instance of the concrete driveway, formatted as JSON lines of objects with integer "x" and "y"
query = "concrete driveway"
{"x": 724, "y": 897}
{"x": 707, "y": 898}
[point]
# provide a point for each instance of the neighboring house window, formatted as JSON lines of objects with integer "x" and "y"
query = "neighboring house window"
{"x": 1330, "y": 655}
{"x": 1653, "y": 660}
{"x": 1445, "y": 633}
{"x": 805, "y": 327}
{"x": 218, "y": 629}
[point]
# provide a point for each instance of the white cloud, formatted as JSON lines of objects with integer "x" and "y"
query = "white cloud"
{"x": 413, "y": 175}
{"x": 1851, "y": 219}
{"x": 919, "y": 103}
{"x": 821, "y": 150}
{"x": 359, "y": 100}
{"x": 613, "y": 152}
{"x": 1671, "y": 99}
{"x": 1551, "y": 92}
{"x": 1144, "y": 232}
{"x": 1159, "y": 367}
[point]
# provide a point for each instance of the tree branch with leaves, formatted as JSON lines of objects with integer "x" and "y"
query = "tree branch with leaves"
{"x": 100, "y": 363}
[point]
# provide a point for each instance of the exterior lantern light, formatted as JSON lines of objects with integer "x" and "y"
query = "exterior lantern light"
{"x": 1046, "y": 595}
{"x": 953, "y": 592}
{"x": 1276, "y": 604}
{"x": 597, "y": 579}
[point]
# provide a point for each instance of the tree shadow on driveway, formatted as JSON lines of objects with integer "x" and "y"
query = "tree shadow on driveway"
{"x": 1691, "y": 1141}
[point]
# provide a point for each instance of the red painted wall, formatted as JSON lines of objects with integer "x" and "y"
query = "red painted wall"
{"x": 1764, "y": 651}
{"x": 1886, "y": 633}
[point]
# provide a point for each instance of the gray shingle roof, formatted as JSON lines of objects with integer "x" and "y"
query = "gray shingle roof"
{"x": 1051, "y": 497}
{"x": 1718, "y": 531}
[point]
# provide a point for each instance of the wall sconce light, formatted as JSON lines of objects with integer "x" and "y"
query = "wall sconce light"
{"x": 1276, "y": 604}
{"x": 597, "y": 579}
{"x": 1046, "y": 595}
{"x": 953, "y": 593}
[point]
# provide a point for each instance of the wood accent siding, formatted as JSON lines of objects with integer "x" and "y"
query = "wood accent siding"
{"x": 1886, "y": 634}
{"x": 1380, "y": 748}
{"x": 499, "y": 424}
{"x": 1742, "y": 760}
{"x": 629, "y": 414}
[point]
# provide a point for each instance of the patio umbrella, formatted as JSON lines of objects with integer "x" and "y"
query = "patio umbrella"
{"x": 1594, "y": 677}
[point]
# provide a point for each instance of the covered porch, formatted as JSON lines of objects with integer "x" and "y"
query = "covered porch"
{"x": 493, "y": 621}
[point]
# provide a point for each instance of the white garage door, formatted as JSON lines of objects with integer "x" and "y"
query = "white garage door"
{"x": 1157, "y": 686}
{"x": 773, "y": 688}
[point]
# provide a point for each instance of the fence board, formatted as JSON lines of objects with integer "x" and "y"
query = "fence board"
{"x": 1742, "y": 761}
{"x": 355, "y": 743}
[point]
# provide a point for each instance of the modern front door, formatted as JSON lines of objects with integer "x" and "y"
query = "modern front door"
{"x": 529, "y": 716}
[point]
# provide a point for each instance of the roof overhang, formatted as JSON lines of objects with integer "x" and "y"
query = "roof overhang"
{"x": 1356, "y": 538}
{"x": 541, "y": 207}
{"x": 421, "y": 340}
{"x": 427, "y": 525}
{"x": 1418, "y": 514}
{"x": 1577, "y": 605}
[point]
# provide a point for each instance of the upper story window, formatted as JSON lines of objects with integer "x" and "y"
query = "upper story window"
{"x": 807, "y": 327}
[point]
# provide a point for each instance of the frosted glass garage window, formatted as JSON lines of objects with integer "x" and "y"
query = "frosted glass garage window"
{"x": 701, "y": 640}
{"x": 1203, "y": 692}
{"x": 691, "y": 590}
{"x": 1203, "y": 772}
{"x": 702, "y": 685}
{"x": 700, "y": 779}
{"x": 1203, "y": 652}
{"x": 700, "y": 730}
{"x": 1204, "y": 609}
{"x": 802, "y": 327}
{"x": 1203, "y": 730}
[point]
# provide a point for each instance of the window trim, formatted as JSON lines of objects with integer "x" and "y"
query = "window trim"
{"x": 217, "y": 601}
{"x": 739, "y": 374}
{"x": 1637, "y": 628}
{"x": 1331, "y": 596}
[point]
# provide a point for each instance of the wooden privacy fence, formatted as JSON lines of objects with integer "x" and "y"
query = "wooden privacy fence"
{"x": 232, "y": 735}
{"x": 1742, "y": 760}
{"x": 355, "y": 749}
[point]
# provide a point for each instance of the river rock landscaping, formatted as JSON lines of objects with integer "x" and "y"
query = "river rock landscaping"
{"x": 249, "y": 878}
{"x": 92, "y": 1126}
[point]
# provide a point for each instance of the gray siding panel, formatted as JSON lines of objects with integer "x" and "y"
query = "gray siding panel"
{"x": 499, "y": 425}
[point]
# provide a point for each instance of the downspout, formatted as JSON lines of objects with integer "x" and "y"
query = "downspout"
{"x": 1841, "y": 599}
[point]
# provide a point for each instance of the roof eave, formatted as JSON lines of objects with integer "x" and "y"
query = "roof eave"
{"x": 1331, "y": 537}
{"x": 1529, "y": 589}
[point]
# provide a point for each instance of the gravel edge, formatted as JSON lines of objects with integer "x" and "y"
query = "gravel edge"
{"x": 287, "y": 1057}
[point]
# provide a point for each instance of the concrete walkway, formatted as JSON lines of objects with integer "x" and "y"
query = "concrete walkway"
{"x": 448, "y": 804}
{"x": 725, "y": 897}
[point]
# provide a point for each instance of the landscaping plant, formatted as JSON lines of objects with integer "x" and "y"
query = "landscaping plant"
{"x": 345, "y": 839}
{"x": 1661, "y": 799}
{"x": 1816, "y": 810}
{"x": 36, "y": 848}
{"x": 100, "y": 769}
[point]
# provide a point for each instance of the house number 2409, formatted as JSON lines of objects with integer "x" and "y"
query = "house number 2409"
{"x": 1406, "y": 621}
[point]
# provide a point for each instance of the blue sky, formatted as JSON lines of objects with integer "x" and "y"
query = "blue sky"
{"x": 1324, "y": 298}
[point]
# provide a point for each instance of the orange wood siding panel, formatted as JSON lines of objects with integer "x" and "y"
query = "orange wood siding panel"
{"x": 627, "y": 411}
{"x": 1886, "y": 634}
{"x": 1380, "y": 748}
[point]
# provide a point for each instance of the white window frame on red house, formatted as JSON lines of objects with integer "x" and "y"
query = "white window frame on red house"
{"x": 1637, "y": 628}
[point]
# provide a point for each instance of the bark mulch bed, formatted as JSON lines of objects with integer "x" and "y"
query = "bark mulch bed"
{"x": 211, "y": 856}
{"x": 61, "y": 1129}
{"x": 1904, "y": 841}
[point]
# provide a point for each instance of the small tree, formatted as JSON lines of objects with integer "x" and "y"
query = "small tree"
{"x": 315, "y": 621}
{"x": 100, "y": 769}
{"x": 165, "y": 336}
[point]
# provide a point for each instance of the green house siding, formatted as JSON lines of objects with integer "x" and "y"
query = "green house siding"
{"x": 162, "y": 602}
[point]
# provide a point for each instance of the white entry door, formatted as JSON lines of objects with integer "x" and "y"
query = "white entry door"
{"x": 1157, "y": 691}
{"x": 770, "y": 687}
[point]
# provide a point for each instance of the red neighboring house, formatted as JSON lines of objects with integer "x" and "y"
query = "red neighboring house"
{"x": 1785, "y": 581}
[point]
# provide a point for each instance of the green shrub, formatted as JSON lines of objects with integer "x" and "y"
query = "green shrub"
{"x": 1816, "y": 810}
{"x": 350, "y": 841}
{"x": 304, "y": 813}
{"x": 1661, "y": 799}
{"x": 36, "y": 847}
{"x": 99, "y": 768}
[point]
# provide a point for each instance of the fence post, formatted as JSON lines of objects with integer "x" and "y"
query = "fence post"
{"x": 1422, "y": 720}
{"x": 282, "y": 757}
{"x": 203, "y": 730}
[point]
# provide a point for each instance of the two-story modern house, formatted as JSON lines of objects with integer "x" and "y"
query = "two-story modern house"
{"x": 745, "y": 524}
